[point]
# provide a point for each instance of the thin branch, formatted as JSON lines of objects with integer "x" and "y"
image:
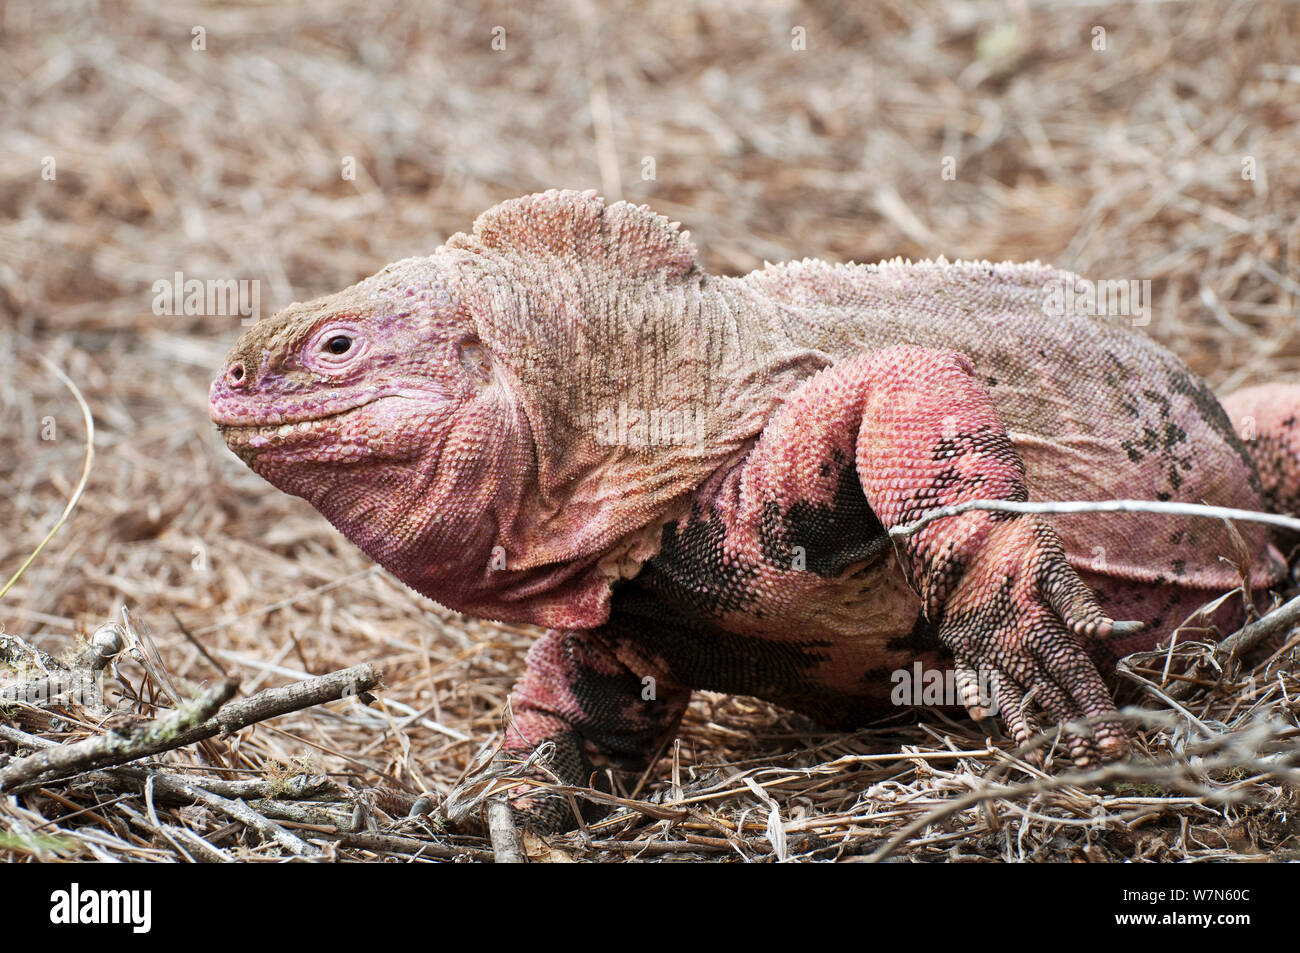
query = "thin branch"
{"x": 176, "y": 730}
{"x": 1174, "y": 775}
{"x": 110, "y": 748}
{"x": 391, "y": 843}
{"x": 1244, "y": 639}
{"x": 1165, "y": 508}
{"x": 81, "y": 485}
{"x": 506, "y": 848}
{"x": 240, "y": 812}
{"x": 204, "y": 851}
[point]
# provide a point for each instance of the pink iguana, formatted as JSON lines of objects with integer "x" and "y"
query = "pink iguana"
{"x": 561, "y": 419}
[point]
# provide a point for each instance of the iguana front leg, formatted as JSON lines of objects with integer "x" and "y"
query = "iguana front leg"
{"x": 579, "y": 693}
{"x": 924, "y": 433}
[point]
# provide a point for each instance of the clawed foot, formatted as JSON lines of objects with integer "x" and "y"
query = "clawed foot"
{"x": 1015, "y": 623}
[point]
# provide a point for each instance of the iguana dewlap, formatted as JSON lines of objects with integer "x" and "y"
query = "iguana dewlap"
{"x": 561, "y": 419}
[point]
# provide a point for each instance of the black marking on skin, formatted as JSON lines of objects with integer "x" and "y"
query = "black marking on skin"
{"x": 985, "y": 441}
{"x": 702, "y": 654}
{"x": 1155, "y": 441}
{"x": 688, "y": 569}
{"x": 1215, "y": 417}
{"x": 604, "y": 700}
{"x": 699, "y": 653}
{"x": 923, "y": 637}
{"x": 1116, "y": 374}
{"x": 1165, "y": 405}
{"x": 1180, "y": 567}
{"x": 948, "y": 479}
{"x": 971, "y": 483}
{"x": 834, "y": 535}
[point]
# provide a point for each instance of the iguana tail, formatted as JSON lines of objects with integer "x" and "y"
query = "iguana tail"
{"x": 1267, "y": 418}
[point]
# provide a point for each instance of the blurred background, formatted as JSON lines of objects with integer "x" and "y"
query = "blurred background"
{"x": 305, "y": 145}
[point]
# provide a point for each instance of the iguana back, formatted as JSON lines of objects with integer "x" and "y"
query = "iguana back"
{"x": 1095, "y": 408}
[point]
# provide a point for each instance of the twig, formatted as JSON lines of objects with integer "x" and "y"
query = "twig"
{"x": 196, "y": 845}
{"x": 99, "y": 751}
{"x": 81, "y": 484}
{"x": 105, "y": 644}
{"x": 298, "y": 787}
{"x": 390, "y": 843}
{"x": 152, "y": 819}
{"x": 1248, "y": 636}
{"x": 1167, "y": 508}
{"x": 19, "y": 737}
{"x": 303, "y": 813}
{"x": 1243, "y": 640}
{"x": 240, "y": 812}
{"x": 694, "y": 845}
{"x": 501, "y": 828}
{"x": 1175, "y": 774}
{"x": 144, "y": 742}
{"x": 284, "y": 699}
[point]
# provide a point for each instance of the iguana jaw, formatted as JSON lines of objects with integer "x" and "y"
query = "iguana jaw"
{"x": 289, "y": 448}
{"x": 254, "y": 426}
{"x": 262, "y": 430}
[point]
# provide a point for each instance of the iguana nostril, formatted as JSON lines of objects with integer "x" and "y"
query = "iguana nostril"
{"x": 235, "y": 375}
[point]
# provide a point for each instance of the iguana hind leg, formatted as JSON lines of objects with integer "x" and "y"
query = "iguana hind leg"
{"x": 1267, "y": 419}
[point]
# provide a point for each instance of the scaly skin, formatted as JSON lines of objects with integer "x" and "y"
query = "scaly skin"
{"x": 560, "y": 419}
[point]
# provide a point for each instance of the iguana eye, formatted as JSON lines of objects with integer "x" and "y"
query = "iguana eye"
{"x": 336, "y": 347}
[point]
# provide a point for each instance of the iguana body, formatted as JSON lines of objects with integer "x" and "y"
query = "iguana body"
{"x": 561, "y": 419}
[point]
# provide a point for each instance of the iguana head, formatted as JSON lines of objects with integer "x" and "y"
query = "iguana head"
{"x": 365, "y": 378}
{"x": 381, "y": 407}
{"x": 452, "y": 414}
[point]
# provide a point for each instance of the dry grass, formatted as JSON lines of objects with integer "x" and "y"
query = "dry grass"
{"x": 225, "y": 163}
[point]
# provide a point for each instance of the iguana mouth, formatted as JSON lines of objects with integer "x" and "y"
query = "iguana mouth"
{"x": 282, "y": 428}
